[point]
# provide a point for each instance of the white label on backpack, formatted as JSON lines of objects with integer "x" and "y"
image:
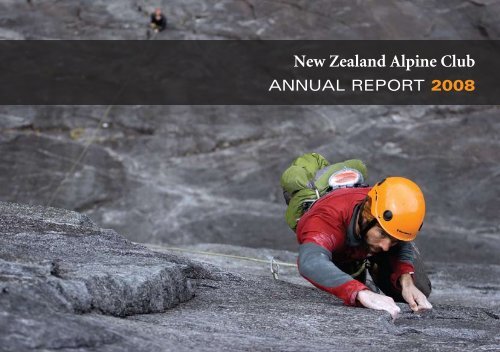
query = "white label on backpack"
{"x": 345, "y": 178}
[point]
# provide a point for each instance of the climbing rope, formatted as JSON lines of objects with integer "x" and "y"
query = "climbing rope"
{"x": 274, "y": 264}
{"x": 82, "y": 154}
{"x": 92, "y": 137}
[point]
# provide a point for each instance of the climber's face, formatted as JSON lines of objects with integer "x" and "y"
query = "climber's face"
{"x": 377, "y": 240}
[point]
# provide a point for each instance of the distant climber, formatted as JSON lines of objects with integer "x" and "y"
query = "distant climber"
{"x": 350, "y": 229}
{"x": 158, "y": 21}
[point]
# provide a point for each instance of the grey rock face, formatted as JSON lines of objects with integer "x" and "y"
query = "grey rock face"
{"x": 184, "y": 175}
{"x": 289, "y": 315}
{"x": 57, "y": 264}
{"x": 252, "y": 19}
{"x": 67, "y": 285}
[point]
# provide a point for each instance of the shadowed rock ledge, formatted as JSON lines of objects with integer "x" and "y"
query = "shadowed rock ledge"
{"x": 56, "y": 263}
{"x": 70, "y": 263}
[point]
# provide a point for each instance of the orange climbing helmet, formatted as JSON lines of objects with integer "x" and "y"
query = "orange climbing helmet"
{"x": 398, "y": 205}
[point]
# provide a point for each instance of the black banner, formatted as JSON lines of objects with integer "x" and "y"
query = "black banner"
{"x": 249, "y": 72}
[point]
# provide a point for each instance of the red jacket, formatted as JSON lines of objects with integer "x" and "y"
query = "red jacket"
{"x": 327, "y": 225}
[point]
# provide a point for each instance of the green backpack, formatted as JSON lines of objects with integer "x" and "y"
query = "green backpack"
{"x": 311, "y": 176}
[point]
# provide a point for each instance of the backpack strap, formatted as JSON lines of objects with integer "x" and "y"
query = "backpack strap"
{"x": 314, "y": 188}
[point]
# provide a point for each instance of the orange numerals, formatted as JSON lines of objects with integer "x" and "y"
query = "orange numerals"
{"x": 457, "y": 85}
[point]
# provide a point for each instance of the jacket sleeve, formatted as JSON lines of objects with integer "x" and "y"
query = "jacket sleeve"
{"x": 402, "y": 260}
{"x": 315, "y": 264}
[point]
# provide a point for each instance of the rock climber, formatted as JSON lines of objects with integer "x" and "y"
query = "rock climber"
{"x": 158, "y": 21}
{"x": 351, "y": 230}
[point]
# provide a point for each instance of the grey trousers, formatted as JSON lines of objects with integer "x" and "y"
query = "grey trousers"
{"x": 380, "y": 270}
